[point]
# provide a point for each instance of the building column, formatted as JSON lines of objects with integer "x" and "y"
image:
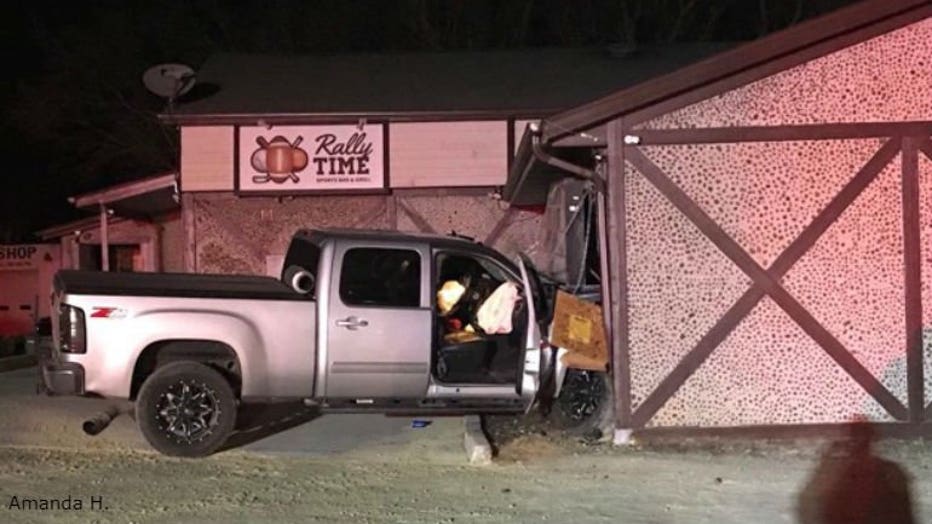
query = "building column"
{"x": 104, "y": 240}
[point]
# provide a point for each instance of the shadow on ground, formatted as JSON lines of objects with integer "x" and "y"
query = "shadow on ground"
{"x": 258, "y": 421}
{"x": 852, "y": 485}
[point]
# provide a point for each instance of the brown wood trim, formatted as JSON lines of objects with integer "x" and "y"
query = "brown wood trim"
{"x": 617, "y": 236}
{"x": 661, "y": 435}
{"x": 415, "y": 217}
{"x": 391, "y": 211}
{"x": 696, "y": 356}
{"x": 236, "y": 166}
{"x": 770, "y": 285}
{"x": 475, "y": 191}
{"x": 604, "y": 267}
{"x": 593, "y": 137}
{"x": 386, "y": 157}
{"x": 782, "y": 64}
{"x": 188, "y": 225}
{"x": 926, "y": 147}
{"x": 730, "y": 320}
{"x": 912, "y": 264}
{"x": 310, "y": 193}
{"x": 510, "y": 147}
{"x": 365, "y": 221}
{"x": 500, "y": 226}
{"x": 840, "y": 131}
{"x": 342, "y": 118}
{"x": 740, "y": 66}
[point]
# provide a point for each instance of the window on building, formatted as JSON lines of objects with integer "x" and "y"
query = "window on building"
{"x": 381, "y": 277}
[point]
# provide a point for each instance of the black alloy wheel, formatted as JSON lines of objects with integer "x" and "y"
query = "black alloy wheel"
{"x": 186, "y": 409}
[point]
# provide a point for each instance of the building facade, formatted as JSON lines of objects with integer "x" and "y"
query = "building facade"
{"x": 406, "y": 141}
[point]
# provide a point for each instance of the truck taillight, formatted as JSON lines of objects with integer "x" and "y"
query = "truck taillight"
{"x": 72, "y": 336}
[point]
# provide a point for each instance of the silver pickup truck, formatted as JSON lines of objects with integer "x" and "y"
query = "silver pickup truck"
{"x": 352, "y": 325}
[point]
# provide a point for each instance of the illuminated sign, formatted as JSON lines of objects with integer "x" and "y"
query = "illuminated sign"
{"x": 311, "y": 158}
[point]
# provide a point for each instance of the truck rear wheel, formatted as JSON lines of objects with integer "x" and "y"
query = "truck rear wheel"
{"x": 186, "y": 409}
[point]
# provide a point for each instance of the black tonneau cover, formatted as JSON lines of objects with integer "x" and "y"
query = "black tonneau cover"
{"x": 189, "y": 285}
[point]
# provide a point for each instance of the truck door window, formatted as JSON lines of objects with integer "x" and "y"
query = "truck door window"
{"x": 381, "y": 277}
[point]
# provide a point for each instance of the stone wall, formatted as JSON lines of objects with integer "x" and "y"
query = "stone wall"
{"x": 768, "y": 371}
{"x": 887, "y": 78}
{"x": 237, "y": 235}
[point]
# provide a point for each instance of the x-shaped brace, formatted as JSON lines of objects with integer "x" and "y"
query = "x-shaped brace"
{"x": 765, "y": 282}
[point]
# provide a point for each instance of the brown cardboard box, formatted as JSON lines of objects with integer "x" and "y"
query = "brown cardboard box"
{"x": 578, "y": 326}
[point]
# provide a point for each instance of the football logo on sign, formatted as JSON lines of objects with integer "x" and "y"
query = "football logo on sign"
{"x": 278, "y": 160}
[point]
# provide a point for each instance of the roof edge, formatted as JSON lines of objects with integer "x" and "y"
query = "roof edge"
{"x": 124, "y": 190}
{"x": 203, "y": 119}
{"x": 829, "y": 32}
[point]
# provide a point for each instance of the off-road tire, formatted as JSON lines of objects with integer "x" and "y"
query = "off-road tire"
{"x": 565, "y": 415}
{"x": 162, "y": 421}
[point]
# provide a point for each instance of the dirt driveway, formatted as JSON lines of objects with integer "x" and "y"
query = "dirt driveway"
{"x": 401, "y": 475}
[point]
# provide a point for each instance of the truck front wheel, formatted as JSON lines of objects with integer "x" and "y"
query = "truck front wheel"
{"x": 186, "y": 409}
{"x": 584, "y": 407}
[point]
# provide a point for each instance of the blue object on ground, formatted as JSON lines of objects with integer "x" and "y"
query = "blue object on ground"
{"x": 420, "y": 423}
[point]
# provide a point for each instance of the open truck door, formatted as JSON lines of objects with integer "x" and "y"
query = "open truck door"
{"x": 539, "y": 365}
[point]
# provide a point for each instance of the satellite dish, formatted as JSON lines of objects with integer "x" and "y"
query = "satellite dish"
{"x": 169, "y": 80}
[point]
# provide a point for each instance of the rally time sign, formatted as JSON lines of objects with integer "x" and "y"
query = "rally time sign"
{"x": 311, "y": 158}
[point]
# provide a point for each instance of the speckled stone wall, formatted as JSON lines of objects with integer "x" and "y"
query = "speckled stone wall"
{"x": 887, "y": 78}
{"x": 768, "y": 371}
{"x": 235, "y": 235}
{"x": 474, "y": 217}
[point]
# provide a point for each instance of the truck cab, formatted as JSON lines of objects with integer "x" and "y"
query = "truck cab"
{"x": 382, "y": 337}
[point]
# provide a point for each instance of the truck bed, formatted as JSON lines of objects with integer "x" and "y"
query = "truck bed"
{"x": 191, "y": 285}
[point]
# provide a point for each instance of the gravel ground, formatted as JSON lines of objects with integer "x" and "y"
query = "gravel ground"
{"x": 533, "y": 480}
{"x": 412, "y": 475}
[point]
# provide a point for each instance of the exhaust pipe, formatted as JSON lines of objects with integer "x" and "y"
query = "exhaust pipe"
{"x": 100, "y": 421}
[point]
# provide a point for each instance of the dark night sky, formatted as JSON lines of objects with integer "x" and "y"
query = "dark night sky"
{"x": 77, "y": 117}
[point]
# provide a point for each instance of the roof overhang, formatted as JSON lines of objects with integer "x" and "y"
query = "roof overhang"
{"x": 203, "y": 119}
{"x": 145, "y": 198}
{"x": 535, "y": 167}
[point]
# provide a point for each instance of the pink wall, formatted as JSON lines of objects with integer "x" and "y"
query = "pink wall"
{"x": 883, "y": 79}
{"x": 768, "y": 371}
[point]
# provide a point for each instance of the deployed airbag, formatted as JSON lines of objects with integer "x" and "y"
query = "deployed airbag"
{"x": 494, "y": 316}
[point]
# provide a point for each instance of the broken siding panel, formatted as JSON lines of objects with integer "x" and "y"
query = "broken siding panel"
{"x": 207, "y": 158}
{"x": 451, "y": 154}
